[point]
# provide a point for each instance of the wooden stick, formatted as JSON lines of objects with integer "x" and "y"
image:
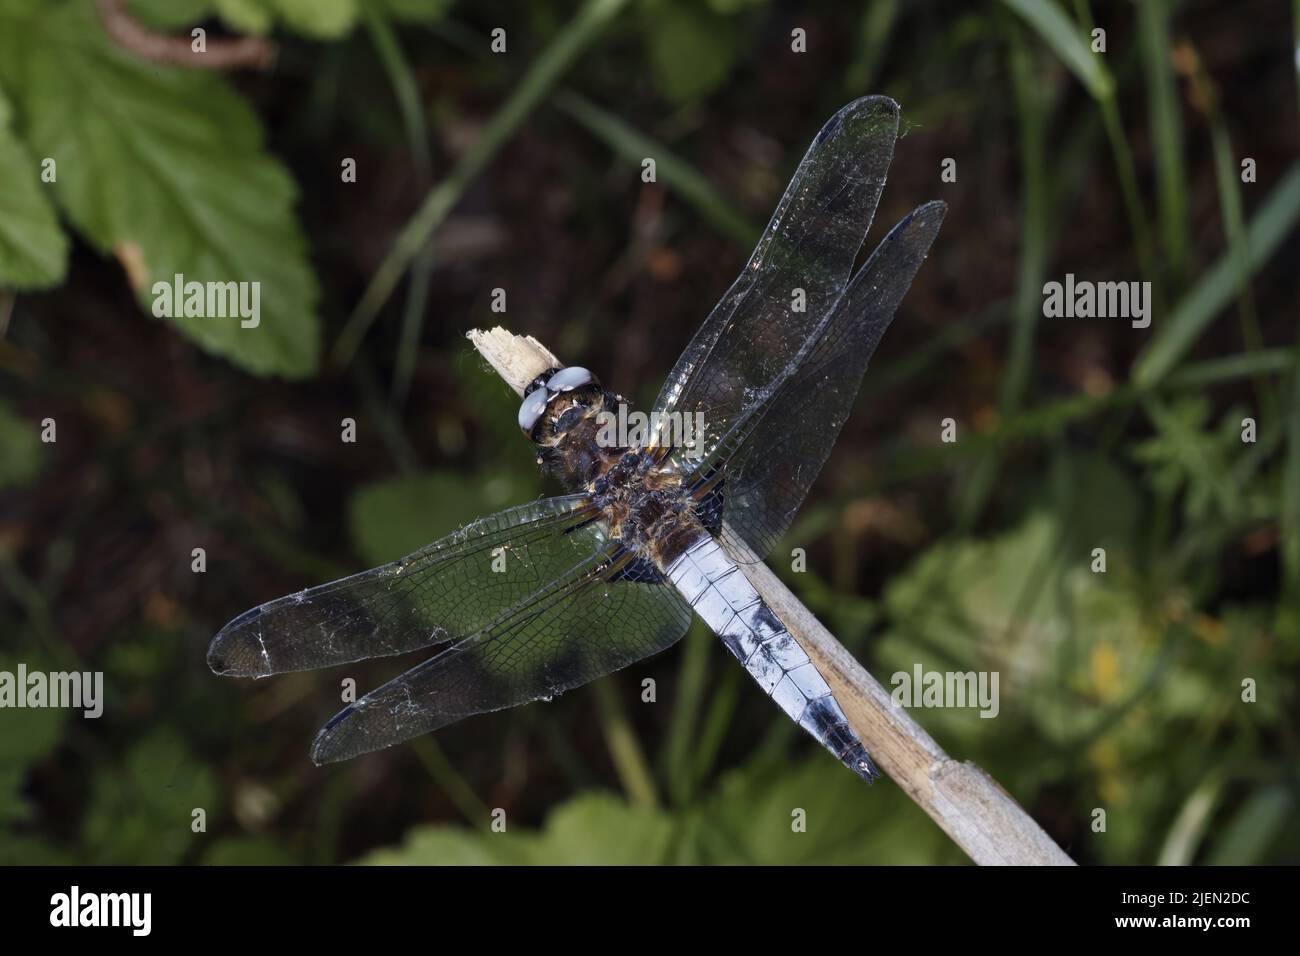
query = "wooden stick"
{"x": 969, "y": 805}
{"x": 221, "y": 53}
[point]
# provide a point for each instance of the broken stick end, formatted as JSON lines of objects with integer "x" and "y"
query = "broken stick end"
{"x": 518, "y": 359}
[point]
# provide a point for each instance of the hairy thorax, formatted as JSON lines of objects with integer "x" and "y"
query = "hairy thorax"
{"x": 644, "y": 502}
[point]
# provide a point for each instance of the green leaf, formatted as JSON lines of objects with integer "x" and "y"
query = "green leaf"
{"x": 602, "y": 829}
{"x": 245, "y": 16}
{"x": 246, "y": 851}
{"x": 970, "y": 605}
{"x": 30, "y": 734}
{"x": 21, "y": 8}
{"x": 166, "y": 169}
{"x": 170, "y": 15}
{"x": 394, "y": 517}
{"x": 141, "y": 812}
{"x": 451, "y": 846}
{"x": 319, "y": 19}
{"x": 21, "y": 461}
{"x": 692, "y": 49}
{"x": 323, "y": 19}
{"x": 33, "y": 248}
{"x": 1187, "y": 453}
{"x": 29, "y": 851}
{"x": 815, "y": 812}
{"x": 592, "y": 829}
{"x": 812, "y": 813}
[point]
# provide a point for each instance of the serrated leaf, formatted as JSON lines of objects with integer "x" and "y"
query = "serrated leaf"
{"x": 594, "y": 829}
{"x": 748, "y": 819}
{"x": 601, "y": 829}
{"x": 451, "y": 846}
{"x": 33, "y": 247}
{"x": 166, "y": 168}
{"x": 751, "y": 817}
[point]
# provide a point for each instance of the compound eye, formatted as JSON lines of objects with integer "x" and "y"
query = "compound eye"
{"x": 567, "y": 379}
{"x": 532, "y": 409}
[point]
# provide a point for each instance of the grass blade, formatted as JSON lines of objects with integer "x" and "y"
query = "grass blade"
{"x": 1252, "y": 833}
{"x": 683, "y": 729}
{"x": 1253, "y": 364}
{"x": 407, "y": 93}
{"x": 1127, "y": 172}
{"x": 1295, "y": 43}
{"x": 674, "y": 171}
{"x": 1166, "y": 133}
{"x": 1276, "y": 218}
{"x": 1228, "y": 182}
{"x": 1031, "y": 112}
{"x": 594, "y": 16}
{"x": 1290, "y": 531}
{"x": 1059, "y": 33}
{"x": 624, "y": 748}
{"x": 873, "y": 36}
{"x": 1189, "y": 827}
{"x": 451, "y": 783}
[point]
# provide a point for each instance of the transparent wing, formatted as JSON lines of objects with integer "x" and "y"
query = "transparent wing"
{"x": 772, "y": 457}
{"x": 446, "y": 591}
{"x": 810, "y": 245}
{"x": 585, "y": 624}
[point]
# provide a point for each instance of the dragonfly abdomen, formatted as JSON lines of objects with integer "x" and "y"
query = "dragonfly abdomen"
{"x": 721, "y": 594}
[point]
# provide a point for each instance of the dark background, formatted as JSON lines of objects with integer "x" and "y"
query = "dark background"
{"x": 1120, "y": 692}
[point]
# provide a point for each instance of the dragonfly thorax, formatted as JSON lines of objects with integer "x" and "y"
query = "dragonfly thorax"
{"x": 646, "y": 506}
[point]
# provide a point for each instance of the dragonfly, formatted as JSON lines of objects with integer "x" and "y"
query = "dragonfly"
{"x": 533, "y": 601}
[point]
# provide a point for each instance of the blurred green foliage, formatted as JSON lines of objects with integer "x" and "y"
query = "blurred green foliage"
{"x": 1121, "y": 691}
{"x": 809, "y": 813}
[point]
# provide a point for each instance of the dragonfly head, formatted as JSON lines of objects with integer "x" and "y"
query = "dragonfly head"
{"x": 552, "y": 395}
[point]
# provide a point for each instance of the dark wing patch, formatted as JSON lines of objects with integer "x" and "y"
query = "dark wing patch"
{"x": 807, "y": 252}
{"x": 772, "y": 457}
{"x": 575, "y": 629}
{"x": 443, "y": 592}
